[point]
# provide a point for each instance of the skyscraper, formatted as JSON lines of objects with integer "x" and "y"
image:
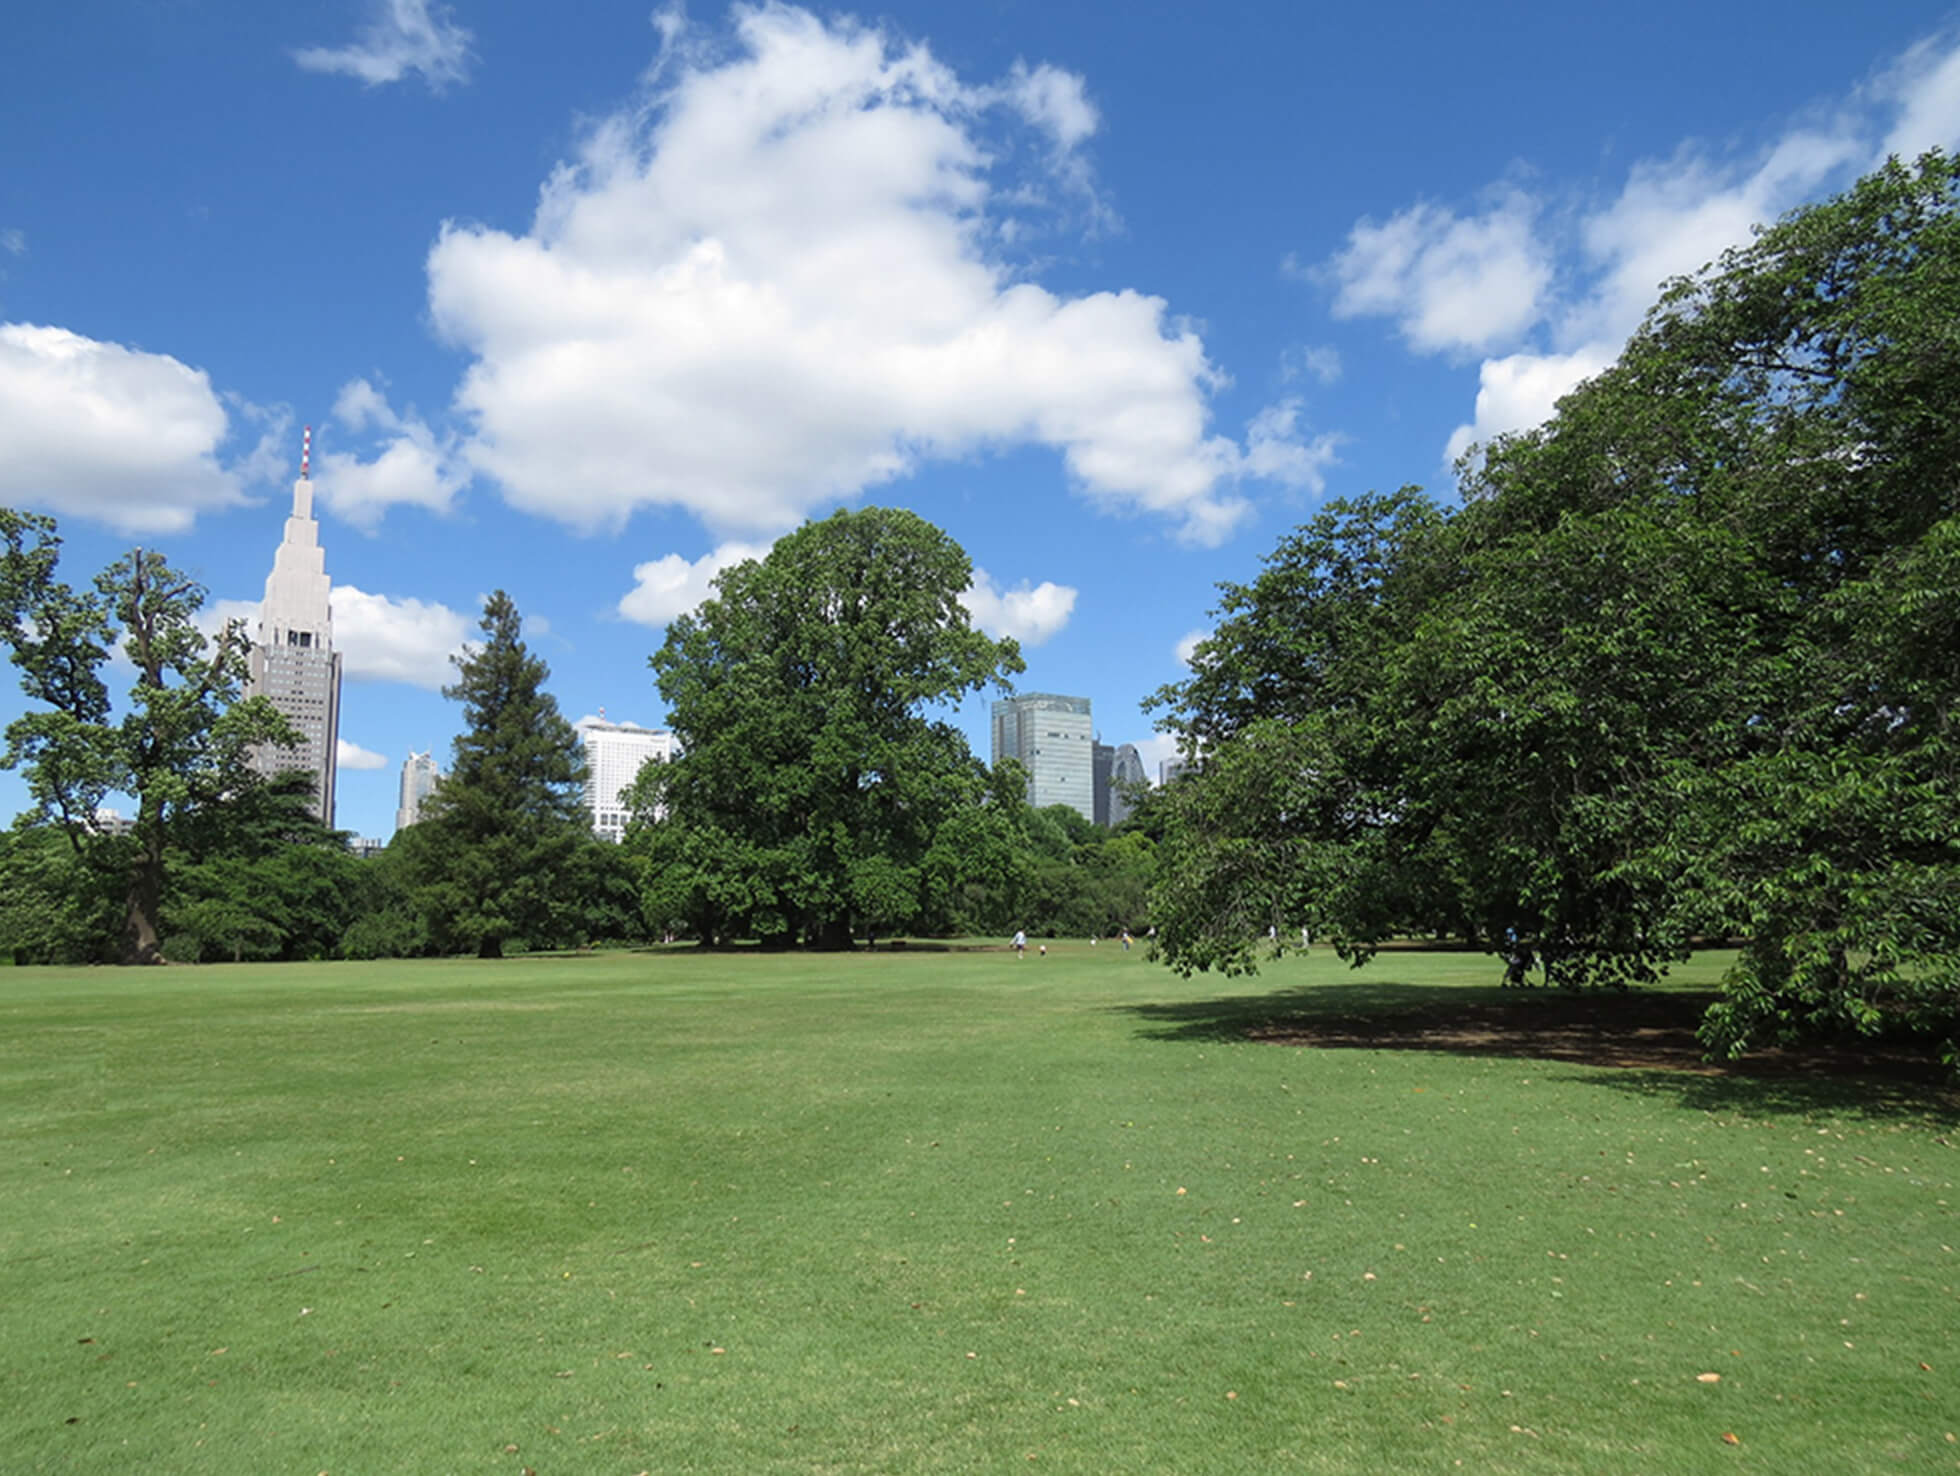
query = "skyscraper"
{"x": 1051, "y": 737}
{"x": 614, "y": 755}
{"x": 1126, "y": 776}
{"x": 293, "y": 661}
{"x": 1118, "y": 773}
{"x": 420, "y": 777}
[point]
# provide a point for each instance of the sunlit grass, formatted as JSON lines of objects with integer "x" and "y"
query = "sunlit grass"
{"x": 931, "y": 1211}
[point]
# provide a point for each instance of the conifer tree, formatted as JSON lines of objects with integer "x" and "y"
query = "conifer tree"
{"x": 509, "y": 816}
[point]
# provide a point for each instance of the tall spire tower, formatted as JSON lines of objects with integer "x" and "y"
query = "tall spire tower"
{"x": 293, "y": 661}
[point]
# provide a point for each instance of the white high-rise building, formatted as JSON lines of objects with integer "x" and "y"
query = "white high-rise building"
{"x": 420, "y": 779}
{"x": 293, "y": 661}
{"x": 1052, "y": 738}
{"x": 614, "y": 755}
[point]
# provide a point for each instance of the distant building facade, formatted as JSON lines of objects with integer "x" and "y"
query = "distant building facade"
{"x": 614, "y": 755}
{"x": 1117, "y": 771}
{"x": 293, "y": 661}
{"x": 1053, "y": 739}
{"x": 1127, "y": 776}
{"x": 420, "y": 779}
{"x": 1169, "y": 769}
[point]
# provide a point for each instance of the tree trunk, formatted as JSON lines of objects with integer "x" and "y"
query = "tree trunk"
{"x": 142, "y": 941}
{"x": 835, "y": 935}
{"x": 490, "y": 947}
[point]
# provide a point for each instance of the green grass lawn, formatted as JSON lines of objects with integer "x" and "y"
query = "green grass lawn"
{"x": 933, "y": 1211}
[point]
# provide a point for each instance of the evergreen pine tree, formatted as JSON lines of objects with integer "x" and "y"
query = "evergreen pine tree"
{"x": 509, "y": 816}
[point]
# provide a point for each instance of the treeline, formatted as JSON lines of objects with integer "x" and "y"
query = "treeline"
{"x": 818, "y": 799}
{"x": 285, "y": 888}
{"x": 1685, "y": 663}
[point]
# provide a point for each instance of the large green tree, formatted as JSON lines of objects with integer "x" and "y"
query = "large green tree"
{"x": 1784, "y": 433}
{"x": 180, "y": 742}
{"x": 493, "y": 856}
{"x": 814, "y": 780}
{"x": 1686, "y": 661}
{"x": 1299, "y": 811}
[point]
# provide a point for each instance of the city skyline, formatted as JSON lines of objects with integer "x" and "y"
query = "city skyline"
{"x": 586, "y": 307}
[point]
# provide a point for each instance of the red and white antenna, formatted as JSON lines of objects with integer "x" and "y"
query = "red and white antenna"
{"x": 306, "y": 455}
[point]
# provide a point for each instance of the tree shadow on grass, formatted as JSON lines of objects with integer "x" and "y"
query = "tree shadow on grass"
{"x": 1741, "y": 1091}
{"x": 1647, "y": 1035}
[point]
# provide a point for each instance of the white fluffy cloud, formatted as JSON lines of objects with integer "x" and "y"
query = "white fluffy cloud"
{"x": 769, "y": 288}
{"x": 404, "y": 36}
{"x": 1275, "y": 452}
{"x": 113, "y": 434}
{"x": 1670, "y": 218}
{"x": 1053, "y": 100}
{"x": 1926, "y": 85}
{"x": 1029, "y": 614}
{"x": 412, "y": 464}
{"x": 1676, "y": 216}
{"x": 381, "y": 639}
{"x": 1453, "y": 284}
{"x": 1188, "y": 644}
{"x": 668, "y": 587}
{"x": 1583, "y": 284}
{"x": 1521, "y": 390}
{"x": 353, "y": 756}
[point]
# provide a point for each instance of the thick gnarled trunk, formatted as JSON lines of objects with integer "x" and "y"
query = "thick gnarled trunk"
{"x": 142, "y": 941}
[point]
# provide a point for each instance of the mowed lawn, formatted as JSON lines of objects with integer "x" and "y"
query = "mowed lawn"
{"x": 933, "y": 1211}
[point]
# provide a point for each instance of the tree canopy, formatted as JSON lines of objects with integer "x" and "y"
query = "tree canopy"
{"x": 180, "y": 742}
{"x": 491, "y": 855}
{"x": 1685, "y": 663}
{"x": 816, "y": 792}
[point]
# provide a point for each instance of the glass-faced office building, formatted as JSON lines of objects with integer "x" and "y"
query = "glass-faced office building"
{"x": 1053, "y": 739}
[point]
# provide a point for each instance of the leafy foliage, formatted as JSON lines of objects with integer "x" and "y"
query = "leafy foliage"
{"x": 54, "y": 906}
{"x": 812, "y": 789}
{"x": 180, "y": 744}
{"x": 1686, "y": 662}
{"x": 271, "y": 882}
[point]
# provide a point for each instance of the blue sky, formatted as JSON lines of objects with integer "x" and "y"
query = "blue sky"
{"x": 584, "y": 301}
